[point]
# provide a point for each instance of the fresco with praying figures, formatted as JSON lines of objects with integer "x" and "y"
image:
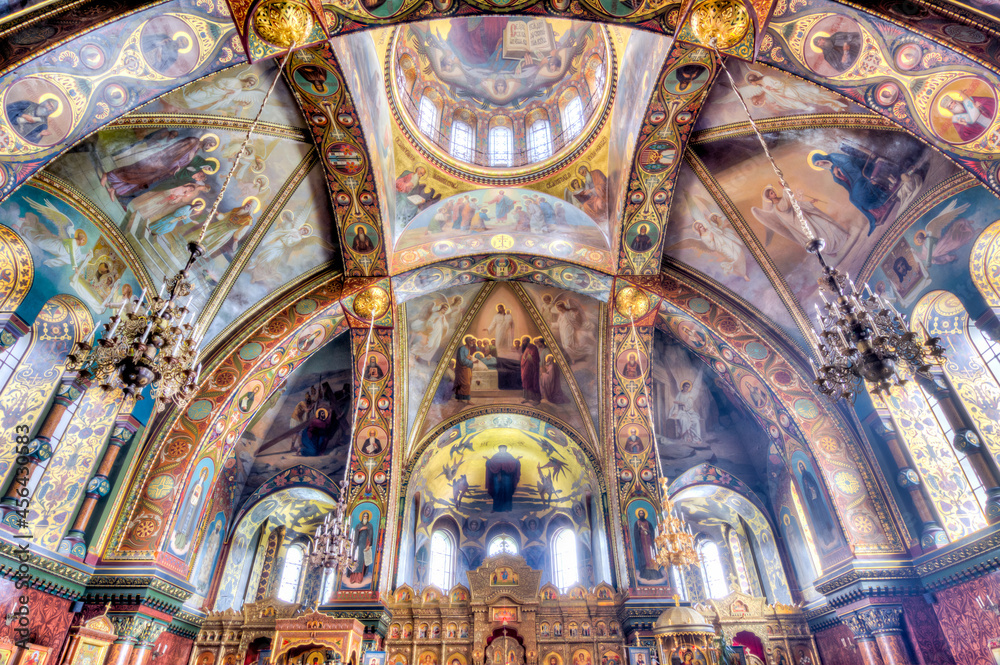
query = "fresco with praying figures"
{"x": 306, "y": 421}
{"x": 852, "y": 185}
{"x": 500, "y": 357}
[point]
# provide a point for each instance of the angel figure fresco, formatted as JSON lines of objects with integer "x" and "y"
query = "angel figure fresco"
{"x": 788, "y": 96}
{"x": 224, "y": 94}
{"x": 433, "y": 325}
{"x": 489, "y": 58}
{"x": 285, "y": 246}
{"x": 940, "y": 239}
{"x": 576, "y": 331}
{"x": 64, "y": 246}
{"x": 714, "y": 237}
{"x": 778, "y": 216}
{"x": 687, "y": 407}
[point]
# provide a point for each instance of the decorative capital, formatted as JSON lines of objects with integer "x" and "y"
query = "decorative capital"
{"x": 908, "y": 479}
{"x": 967, "y": 441}
{"x": 882, "y": 619}
{"x": 857, "y": 626}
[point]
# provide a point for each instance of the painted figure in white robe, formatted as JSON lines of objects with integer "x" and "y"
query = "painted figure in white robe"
{"x": 778, "y": 216}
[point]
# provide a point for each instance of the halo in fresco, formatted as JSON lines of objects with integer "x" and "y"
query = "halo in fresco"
{"x": 833, "y": 45}
{"x": 38, "y": 111}
{"x": 963, "y": 110}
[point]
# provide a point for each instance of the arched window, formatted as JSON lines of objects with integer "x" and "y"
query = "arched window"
{"x": 712, "y": 572}
{"x": 288, "y": 589}
{"x": 502, "y": 544}
{"x": 739, "y": 562}
{"x": 10, "y": 358}
{"x": 442, "y": 560}
{"x": 463, "y": 139}
{"x": 427, "y": 117}
{"x": 572, "y": 118}
{"x": 501, "y": 146}
{"x": 329, "y": 585}
{"x": 807, "y": 533}
{"x": 598, "y": 77}
{"x": 677, "y": 582}
{"x": 948, "y": 431}
{"x": 988, "y": 348}
{"x": 539, "y": 140}
{"x": 566, "y": 569}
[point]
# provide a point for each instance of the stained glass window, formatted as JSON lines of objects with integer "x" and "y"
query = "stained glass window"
{"x": 462, "y": 140}
{"x": 501, "y": 140}
{"x": 712, "y": 573}
{"x": 442, "y": 559}
{"x": 572, "y": 118}
{"x": 539, "y": 141}
{"x": 502, "y": 544}
{"x": 427, "y": 117}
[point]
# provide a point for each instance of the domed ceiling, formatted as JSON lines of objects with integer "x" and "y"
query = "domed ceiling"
{"x": 655, "y": 175}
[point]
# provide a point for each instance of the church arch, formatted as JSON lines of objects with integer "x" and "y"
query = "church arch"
{"x": 211, "y": 431}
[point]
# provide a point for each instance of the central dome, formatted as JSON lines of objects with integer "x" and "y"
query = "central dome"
{"x": 501, "y": 99}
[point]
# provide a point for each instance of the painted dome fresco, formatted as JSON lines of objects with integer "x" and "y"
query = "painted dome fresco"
{"x": 489, "y": 286}
{"x": 501, "y": 97}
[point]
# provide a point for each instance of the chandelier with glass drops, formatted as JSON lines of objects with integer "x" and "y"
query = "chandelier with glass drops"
{"x": 154, "y": 341}
{"x": 333, "y": 542}
{"x": 674, "y": 537}
{"x": 862, "y": 337}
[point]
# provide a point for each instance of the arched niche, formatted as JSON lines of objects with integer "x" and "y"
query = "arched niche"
{"x": 214, "y": 419}
{"x": 501, "y": 474}
{"x": 300, "y": 510}
{"x": 750, "y": 357}
{"x": 706, "y": 501}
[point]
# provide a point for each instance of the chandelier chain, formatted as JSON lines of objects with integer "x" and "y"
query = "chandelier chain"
{"x": 243, "y": 146}
{"x": 806, "y": 228}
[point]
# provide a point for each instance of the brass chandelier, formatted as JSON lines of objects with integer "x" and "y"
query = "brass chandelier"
{"x": 862, "y": 338}
{"x": 154, "y": 341}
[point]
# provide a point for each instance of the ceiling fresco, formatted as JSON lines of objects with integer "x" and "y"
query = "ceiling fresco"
{"x": 469, "y": 350}
{"x": 502, "y": 327}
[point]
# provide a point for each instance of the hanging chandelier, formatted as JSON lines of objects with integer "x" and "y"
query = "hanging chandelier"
{"x": 862, "y": 338}
{"x": 333, "y": 542}
{"x": 154, "y": 341}
{"x": 674, "y": 539}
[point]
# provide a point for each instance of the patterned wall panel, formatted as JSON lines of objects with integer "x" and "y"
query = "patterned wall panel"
{"x": 784, "y": 403}
{"x": 68, "y": 470}
{"x": 63, "y": 321}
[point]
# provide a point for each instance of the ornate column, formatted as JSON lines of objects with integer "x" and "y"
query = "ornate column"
{"x": 884, "y": 622}
{"x": 869, "y": 650}
{"x": 71, "y": 386}
{"x": 100, "y": 484}
{"x": 932, "y": 536}
{"x": 273, "y": 543}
